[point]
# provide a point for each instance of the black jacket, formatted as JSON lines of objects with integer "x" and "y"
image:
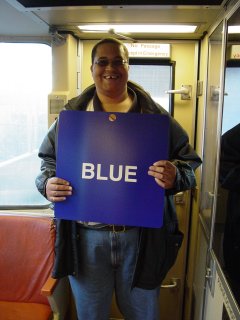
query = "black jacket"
{"x": 158, "y": 247}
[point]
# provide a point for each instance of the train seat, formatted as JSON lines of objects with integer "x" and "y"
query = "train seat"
{"x": 26, "y": 260}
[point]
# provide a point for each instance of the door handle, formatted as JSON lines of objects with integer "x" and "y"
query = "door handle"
{"x": 174, "y": 284}
{"x": 179, "y": 198}
{"x": 185, "y": 91}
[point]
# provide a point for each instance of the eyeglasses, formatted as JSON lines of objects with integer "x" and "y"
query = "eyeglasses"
{"x": 114, "y": 63}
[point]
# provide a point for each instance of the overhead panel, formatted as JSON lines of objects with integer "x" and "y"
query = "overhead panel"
{"x": 53, "y": 3}
{"x": 65, "y": 16}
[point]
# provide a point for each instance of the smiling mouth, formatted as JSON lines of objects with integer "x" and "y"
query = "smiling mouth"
{"x": 111, "y": 77}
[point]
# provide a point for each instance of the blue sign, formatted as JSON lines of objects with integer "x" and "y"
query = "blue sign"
{"x": 105, "y": 157}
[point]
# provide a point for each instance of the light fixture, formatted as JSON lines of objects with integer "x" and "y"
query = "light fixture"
{"x": 139, "y": 28}
{"x": 233, "y": 29}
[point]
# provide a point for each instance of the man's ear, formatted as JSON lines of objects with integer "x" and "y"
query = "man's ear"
{"x": 91, "y": 68}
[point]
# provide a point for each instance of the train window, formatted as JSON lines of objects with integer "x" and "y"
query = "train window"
{"x": 232, "y": 94}
{"x": 155, "y": 76}
{"x": 25, "y": 82}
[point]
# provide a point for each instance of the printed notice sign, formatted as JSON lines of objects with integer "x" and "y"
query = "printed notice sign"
{"x": 105, "y": 157}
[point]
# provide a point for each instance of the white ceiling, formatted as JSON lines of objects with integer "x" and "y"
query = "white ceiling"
{"x": 15, "y": 20}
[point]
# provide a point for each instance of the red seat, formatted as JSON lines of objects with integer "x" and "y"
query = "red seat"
{"x": 10, "y": 310}
{"x": 26, "y": 261}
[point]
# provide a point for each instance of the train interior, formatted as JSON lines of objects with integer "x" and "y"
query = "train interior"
{"x": 186, "y": 54}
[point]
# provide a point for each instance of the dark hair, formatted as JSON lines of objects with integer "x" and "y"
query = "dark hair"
{"x": 109, "y": 40}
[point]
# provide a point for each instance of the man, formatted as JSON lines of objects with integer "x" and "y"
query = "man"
{"x": 99, "y": 258}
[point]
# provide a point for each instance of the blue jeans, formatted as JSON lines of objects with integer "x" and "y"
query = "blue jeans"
{"x": 107, "y": 262}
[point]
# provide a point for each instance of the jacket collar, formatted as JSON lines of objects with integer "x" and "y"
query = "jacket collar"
{"x": 134, "y": 108}
{"x": 144, "y": 102}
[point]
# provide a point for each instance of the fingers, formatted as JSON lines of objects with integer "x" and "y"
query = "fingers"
{"x": 58, "y": 189}
{"x": 56, "y": 180}
{"x": 164, "y": 173}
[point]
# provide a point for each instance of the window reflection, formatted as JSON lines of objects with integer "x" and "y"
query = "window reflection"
{"x": 229, "y": 179}
{"x": 226, "y": 239}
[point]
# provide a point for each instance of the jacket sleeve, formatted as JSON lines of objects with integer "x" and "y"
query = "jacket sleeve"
{"x": 47, "y": 153}
{"x": 184, "y": 158}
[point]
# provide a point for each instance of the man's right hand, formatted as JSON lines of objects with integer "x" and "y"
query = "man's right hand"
{"x": 58, "y": 189}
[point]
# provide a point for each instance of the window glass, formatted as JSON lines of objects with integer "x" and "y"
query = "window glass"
{"x": 155, "y": 79}
{"x": 231, "y": 108}
{"x": 25, "y": 82}
{"x": 211, "y": 127}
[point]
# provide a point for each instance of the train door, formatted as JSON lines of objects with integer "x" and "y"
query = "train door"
{"x": 220, "y": 180}
{"x": 172, "y": 291}
{"x": 185, "y": 57}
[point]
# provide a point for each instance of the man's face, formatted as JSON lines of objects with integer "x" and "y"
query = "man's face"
{"x": 110, "y": 69}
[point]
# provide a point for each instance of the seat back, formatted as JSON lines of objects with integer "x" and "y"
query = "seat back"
{"x": 26, "y": 257}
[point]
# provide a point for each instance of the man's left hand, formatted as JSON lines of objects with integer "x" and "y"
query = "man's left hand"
{"x": 164, "y": 173}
